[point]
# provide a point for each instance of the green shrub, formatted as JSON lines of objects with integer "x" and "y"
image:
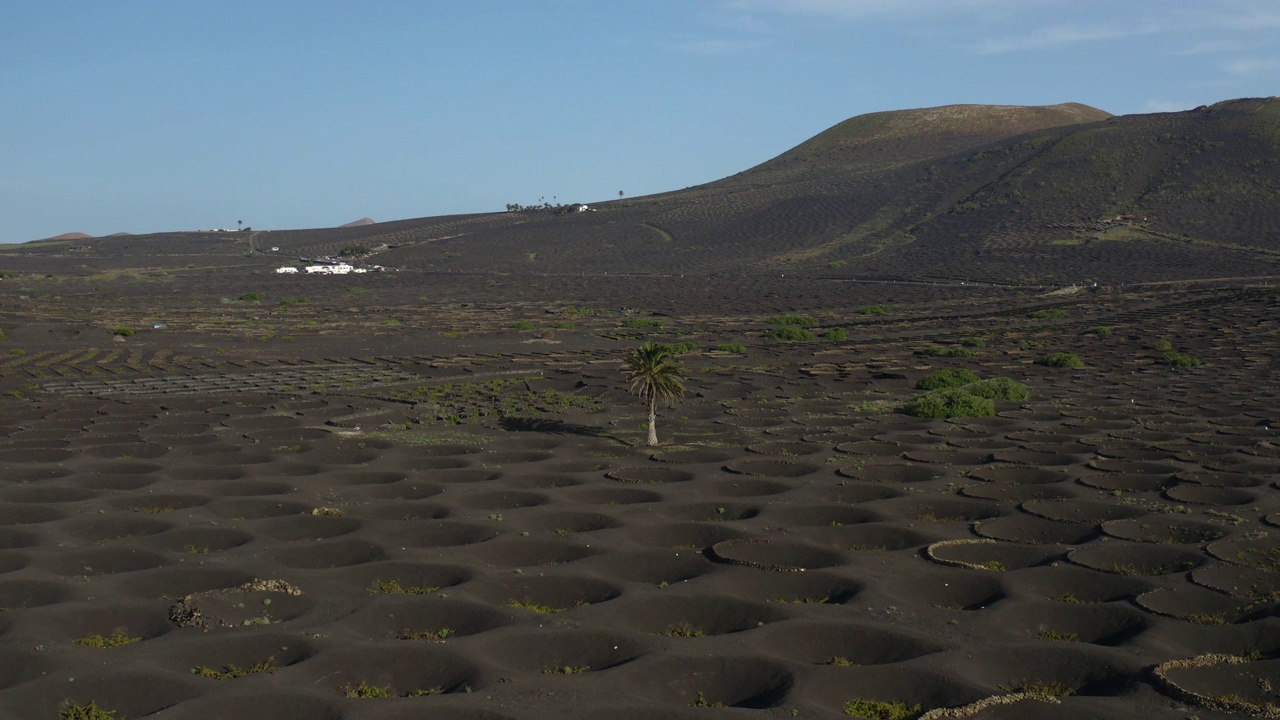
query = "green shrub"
{"x": 790, "y": 333}
{"x": 522, "y": 325}
{"x": 295, "y": 301}
{"x": 1163, "y": 345}
{"x": 973, "y": 342}
{"x": 1101, "y": 330}
{"x": 366, "y": 691}
{"x": 950, "y": 403}
{"x": 123, "y": 331}
{"x": 89, "y": 711}
{"x": 1062, "y": 360}
{"x": 800, "y": 320}
{"x": 732, "y": 348}
{"x": 101, "y": 642}
{"x": 943, "y": 379}
{"x": 17, "y": 352}
{"x": 231, "y": 672}
{"x": 836, "y": 335}
{"x": 251, "y": 297}
{"x": 640, "y": 323}
{"x": 875, "y": 310}
{"x": 681, "y": 348}
{"x": 3, "y": 336}
{"x": 940, "y": 351}
{"x": 1000, "y": 388}
{"x": 878, "y": 710}
{"x": 566, "y": 325}
{"x": 1177, "y": 359}
{"x": 1050, "y": 314}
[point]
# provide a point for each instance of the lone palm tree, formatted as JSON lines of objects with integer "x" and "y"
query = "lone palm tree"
{"x": 655, "y": 374}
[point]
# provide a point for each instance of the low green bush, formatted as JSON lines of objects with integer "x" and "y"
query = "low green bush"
{"x": 1049, "y": 314}
{"x": 3, "y": 336}
{"x": 1179, "y": 360}
{"x": 875, "y": 310}
{"x": 1062, "y": 360}
{"x": 950, "y": 403}
{"x": 880, "y": 710}
{"x": 790, "y": 333}
{"x": 640, "y": 323}
{"x": 732, "y": 348}
{"x": 1163, "y": 345}
{"x": 251, "y": 297}
{"x": 295, "y": 301}
{"x": 943, "y": 379}
{"x": 522, "y": 325}
{"x": 123, "y": 331}
{"x": 681, "y": 348}
{"x": 88, "y": 711}
{"x": 836, "y": 335}
{"x": 800, "y": 320}
{"x": 999, "y": 388}
{"x": 1101, "y": 330}
{"x": 940, "y": 351}
{"x": 973, "y": 342}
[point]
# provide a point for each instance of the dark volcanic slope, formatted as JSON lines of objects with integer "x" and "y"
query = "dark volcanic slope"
{"x": 1056, "y": 194}
{"x": 887, "y": 139}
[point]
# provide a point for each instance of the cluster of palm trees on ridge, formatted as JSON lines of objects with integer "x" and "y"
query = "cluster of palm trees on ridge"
{"x": 655, "y": 374}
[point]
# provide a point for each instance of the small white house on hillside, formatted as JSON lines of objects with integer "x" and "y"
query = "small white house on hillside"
{"x": 337, "y": 269}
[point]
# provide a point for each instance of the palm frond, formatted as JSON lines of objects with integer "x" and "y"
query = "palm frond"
{"x": 655, "y": 372}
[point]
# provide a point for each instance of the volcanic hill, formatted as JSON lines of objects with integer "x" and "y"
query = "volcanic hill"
{"x": 1055, "y": 194}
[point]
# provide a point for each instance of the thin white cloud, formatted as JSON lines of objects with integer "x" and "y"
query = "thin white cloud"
{"x": 1059, "y": 36}
{"x": 1253, "y": 17}
{"x": 718, "y": 46}
{"x": 858, "y": 9}
{"x": 1248, "y": 67}
{"x": 1210, "y": 47}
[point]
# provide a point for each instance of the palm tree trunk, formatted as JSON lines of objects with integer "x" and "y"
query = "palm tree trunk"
{"x": 653, "y": 420}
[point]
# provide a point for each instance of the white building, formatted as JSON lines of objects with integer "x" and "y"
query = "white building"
{"x": 287, "y": 270}
{"x": 338, "y": 269}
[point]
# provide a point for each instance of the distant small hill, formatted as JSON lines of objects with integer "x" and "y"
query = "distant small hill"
{"x": 71, "y": 236}
{"x": 359, "y": 223}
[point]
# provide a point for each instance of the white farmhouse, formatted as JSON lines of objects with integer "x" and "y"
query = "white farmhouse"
{"x": 286, "y": 270}
{"x": 336, "y": 269}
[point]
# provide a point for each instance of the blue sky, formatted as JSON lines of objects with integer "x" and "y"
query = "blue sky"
{"x": 144, "y": 116}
